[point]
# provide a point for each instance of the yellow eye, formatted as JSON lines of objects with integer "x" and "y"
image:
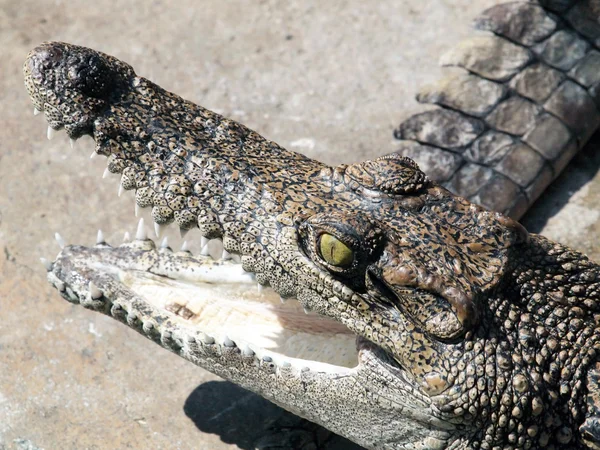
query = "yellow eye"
{"x": 334, "y": 251}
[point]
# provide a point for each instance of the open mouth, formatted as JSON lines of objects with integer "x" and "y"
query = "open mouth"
{"x": 212, "y": 298}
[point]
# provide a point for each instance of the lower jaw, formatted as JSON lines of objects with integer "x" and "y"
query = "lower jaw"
{"x": 215, "y": 298}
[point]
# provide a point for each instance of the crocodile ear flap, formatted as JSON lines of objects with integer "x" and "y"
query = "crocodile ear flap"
{"x": 590, "y": 429}
{"x": 392, "y": 174}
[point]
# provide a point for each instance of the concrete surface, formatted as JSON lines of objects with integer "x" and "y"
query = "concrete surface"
{"x": 329, "y": 79}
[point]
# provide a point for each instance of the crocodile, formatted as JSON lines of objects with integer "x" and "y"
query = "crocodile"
{"x": 420, "y": 319}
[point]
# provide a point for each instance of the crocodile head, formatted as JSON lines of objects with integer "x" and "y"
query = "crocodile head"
{"x": 428, "y": 282}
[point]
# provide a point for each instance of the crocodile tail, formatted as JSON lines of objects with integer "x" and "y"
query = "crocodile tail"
{"x": 524, "y": 99}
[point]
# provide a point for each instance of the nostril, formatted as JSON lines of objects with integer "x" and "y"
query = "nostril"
{"x": 42, "y": 60}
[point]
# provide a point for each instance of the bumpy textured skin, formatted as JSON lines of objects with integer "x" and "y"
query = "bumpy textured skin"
{"x": 473, "y": 334}
{"x": 527, "y": 102}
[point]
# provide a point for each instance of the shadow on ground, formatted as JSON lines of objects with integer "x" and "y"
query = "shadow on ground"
{"x": 249, "y": 421}
{"x": 578, "y": 173}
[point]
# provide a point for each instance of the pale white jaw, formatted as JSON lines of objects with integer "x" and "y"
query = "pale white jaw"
{"x": 222, "y": 301}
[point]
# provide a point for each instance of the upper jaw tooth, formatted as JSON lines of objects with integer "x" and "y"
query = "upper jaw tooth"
{"x": 159, "y": 229}
{"x": 140, "y": 234}
{"x": 50, "y": 133}
{"x": 36, "y": 111}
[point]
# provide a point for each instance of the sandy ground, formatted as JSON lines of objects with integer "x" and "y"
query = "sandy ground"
{"x": 329, "y": 79}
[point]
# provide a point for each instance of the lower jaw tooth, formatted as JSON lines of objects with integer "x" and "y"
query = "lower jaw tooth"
{"x": 164, "y": 243}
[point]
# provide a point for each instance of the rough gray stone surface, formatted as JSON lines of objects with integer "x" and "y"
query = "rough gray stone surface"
{"x": 562, "y": 50}
{"x": 489, "y": 56}
{"x": 524, "y": 23}
{"x": 441, "y": 127}
{"x": 548, "y": 137}
{"x": 514, "y": 115}
{"x": 537, "y": 82}
{"x": 469, "y": 93}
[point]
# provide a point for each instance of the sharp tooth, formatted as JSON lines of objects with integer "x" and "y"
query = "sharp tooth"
{"x": 47, "y": 264}
{"x": 126, "y": 237}
{"x": 204, "y": 251}
{"x": 93, "y": 155}
{"x": 164, "y": 243}
{"x": 225, "y": 255}
{"x": 260, "y": 287}
{"x": 72, "y": 142}
{"x": 106, "y": 173}
{"x": 185, "y": 247}
{"x": 36, "y": 111}
{"x": 95, "y": 293}
{"x": 137, "y": 210}
{"x": 59, "y": 240}
{"x": 208, "y": 340}
{"x": 203, "y": 242}
{"x": 159, "y": 229}
{"x": 100, "y": 238}
{"x": 183, "y": 232}
{"x": 306, "y": 310}
{"x": 140, "y": 234}
{"x": 282, "y": 300}
{"x": 50, "y": 133}
{"x": 120, "y": 190}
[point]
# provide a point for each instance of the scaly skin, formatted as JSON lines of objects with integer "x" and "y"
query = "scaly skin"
{"x": 472, "y": 333}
